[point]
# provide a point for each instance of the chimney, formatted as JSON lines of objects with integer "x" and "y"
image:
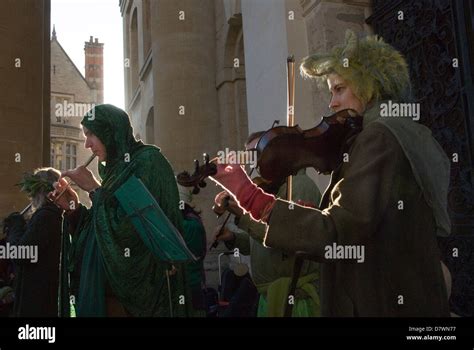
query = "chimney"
{"x": 94, "y": 55}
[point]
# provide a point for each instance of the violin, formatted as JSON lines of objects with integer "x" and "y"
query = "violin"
{"x": 282, "y": 151}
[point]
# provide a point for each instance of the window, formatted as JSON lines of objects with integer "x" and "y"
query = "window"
{"x": 53, "y": 153}
{"x": 61, "y": 110}
{"x": 150, "y": 127}
{"x": 57, "y": 155}
{"x": 63, "y": 160}
{"x": 146, "y": 9}
{"x": 134, "y": 54}
{"x": 71, "y": 156}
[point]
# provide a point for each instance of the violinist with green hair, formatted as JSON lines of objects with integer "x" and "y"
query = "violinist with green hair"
{"x": 391, "y": 161}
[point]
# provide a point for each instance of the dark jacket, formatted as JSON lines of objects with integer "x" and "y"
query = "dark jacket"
{"x": 401, "y": 273}
{"x": 36, "y": 283}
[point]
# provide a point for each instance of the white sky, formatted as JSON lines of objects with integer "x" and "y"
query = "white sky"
{"x": 76, "y": 21}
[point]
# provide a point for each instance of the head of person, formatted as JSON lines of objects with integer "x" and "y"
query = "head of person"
{"x": 185, "y": 194}
{"x": 93, "y": 142}
{"x": 186, "y": 202}
{"x": 39, "y": 184}
{"x": 360, "y": 73}
{"x": 108, "y": 133}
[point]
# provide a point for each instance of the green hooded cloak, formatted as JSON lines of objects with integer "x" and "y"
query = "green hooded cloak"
{"x": 106, "y": 251}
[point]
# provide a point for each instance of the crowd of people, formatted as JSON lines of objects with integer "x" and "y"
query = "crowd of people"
{"x": 98, "y": 262}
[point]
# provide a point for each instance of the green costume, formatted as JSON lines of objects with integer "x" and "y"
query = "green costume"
{"x": 107, "y": 255}
{"x": 401, "y": 274}
{"x": 272, "y": 269}
{"x": 390, "y": 198}
{"x": 195, "y": 237}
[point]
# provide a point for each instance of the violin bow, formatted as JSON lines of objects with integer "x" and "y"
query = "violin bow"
{"x": 221, "y": 230}
{"x": 290, "y": 65}
{"x": 289, "y": 183}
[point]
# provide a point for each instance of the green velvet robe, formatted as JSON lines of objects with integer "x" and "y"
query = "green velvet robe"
{"x": 107, "y": 254}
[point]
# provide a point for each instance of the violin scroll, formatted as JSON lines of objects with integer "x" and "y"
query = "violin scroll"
{"x": 196, "y": 180}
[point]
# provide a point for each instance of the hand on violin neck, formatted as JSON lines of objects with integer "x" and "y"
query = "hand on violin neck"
{"x": 247, "y": 195}
{"x": 224, "y": 202}
{"x": 221, "y": 202}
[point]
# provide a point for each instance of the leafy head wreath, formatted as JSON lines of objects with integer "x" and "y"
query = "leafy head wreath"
{"x": 32, "y": 184}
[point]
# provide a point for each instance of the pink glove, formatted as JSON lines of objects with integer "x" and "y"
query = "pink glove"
{"x": 248, "y": 196}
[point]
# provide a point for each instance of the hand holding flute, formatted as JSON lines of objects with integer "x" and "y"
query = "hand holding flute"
{"x": 83, "y": 177}
{"x": 64, "y": 196}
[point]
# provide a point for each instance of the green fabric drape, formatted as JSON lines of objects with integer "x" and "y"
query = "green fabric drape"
{"x": 195, "y": 238}
{"x": 106, "y": 250}
{"x": 429, "y": 162}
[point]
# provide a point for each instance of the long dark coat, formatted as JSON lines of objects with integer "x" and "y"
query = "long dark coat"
{"x": 373, "y": 200}
{"x": 36, "y": 283}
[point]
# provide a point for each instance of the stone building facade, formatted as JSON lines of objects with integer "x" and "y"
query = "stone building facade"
{"x": 72, "y": 96}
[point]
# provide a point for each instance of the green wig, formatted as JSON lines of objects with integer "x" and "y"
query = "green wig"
{"x": 374, "y": 70}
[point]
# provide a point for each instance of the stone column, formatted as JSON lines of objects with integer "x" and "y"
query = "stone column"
{"x": 266, "y": 51}
{"x": 25, "y": 95}
{"x": 184, "y": 85}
